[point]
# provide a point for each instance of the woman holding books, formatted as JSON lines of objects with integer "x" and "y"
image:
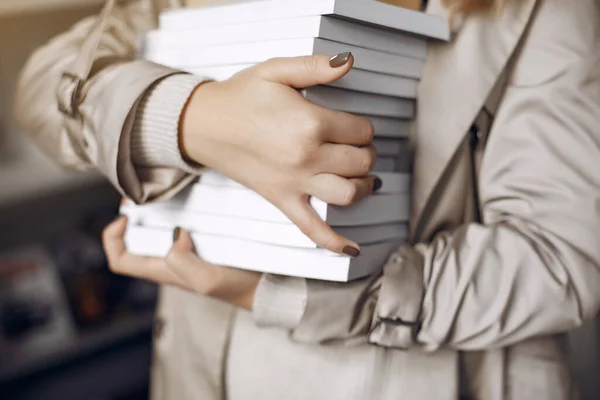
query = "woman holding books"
{"x": 504, "y": 257}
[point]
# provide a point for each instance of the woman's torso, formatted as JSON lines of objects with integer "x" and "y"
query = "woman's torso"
{"x": 207, "y": 350}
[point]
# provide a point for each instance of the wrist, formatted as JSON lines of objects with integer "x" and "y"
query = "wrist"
{"x": 195, "y": 124}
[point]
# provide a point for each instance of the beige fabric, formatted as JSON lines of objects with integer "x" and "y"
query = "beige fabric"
{"x": 155, "y": 132}
{"x": 491, "y": 295}
{"x": 280, "y": 301}
{"x": 531, "y": 267}
{"x": 116, "y": 85}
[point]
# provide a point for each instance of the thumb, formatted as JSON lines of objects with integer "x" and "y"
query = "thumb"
{"x": 306, "y": 71}
{"x": 182, "y": 241}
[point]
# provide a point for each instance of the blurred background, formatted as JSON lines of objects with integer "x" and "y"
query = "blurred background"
{"x": 68, "y": 328}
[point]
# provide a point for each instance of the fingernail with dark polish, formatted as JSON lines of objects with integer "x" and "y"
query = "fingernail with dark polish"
{"x": 339, "y": 60}
{"x": 176, "y": 233}
{"x": 377, "y": 183}
{"x": 351, "y": 251}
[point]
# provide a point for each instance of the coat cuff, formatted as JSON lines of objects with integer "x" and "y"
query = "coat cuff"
{"x": 279, "y": 301}
{"x": 336, "y": 313}
{"x": 117, "y": 92}
{"x": 396, "y": 321}
{"x": 383, "y": 309}
{"x": 155, "y": 131}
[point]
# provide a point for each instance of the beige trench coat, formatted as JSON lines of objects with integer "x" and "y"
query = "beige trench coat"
{"x": 503, "y": 261}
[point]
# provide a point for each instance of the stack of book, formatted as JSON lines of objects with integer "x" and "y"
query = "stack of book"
{"x": 232, "y": 225}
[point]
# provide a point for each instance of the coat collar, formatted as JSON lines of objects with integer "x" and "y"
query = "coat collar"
{"x": 457, "y": 80}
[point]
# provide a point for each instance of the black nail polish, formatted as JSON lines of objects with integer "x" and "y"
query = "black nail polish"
{"x": 176, "y": 233}
{"x": 351, "y": 251}
{"x": 339, "y": 60}
{"x": 377, "y": 183}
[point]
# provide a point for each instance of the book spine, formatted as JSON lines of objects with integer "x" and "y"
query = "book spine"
{"x": 246, "y": 204}
{"x": 390, "y": 147}
{"x": 392, "y": 182}
{"x": 360, "y": 103}
{"x": 355, "y": 79}
{"x": 257, "y": 52}
{"x": 251, "y": 230}
{"x": 309, "y": 263}
{"x": 389, "y": 127}
{"x": 412, "y": 48}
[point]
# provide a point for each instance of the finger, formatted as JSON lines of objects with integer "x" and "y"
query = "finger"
{"x": 188, "y": 267}
{"x": 344, "y": 128}
{"x": 338, "y": 191}
{"x": 309, "y": 222}
{"x": 182, "y": 241}
{"x": 123, "y": 263}
{"x": 183, "y": 251}
{"x": 344, "y": 160}
{"x": 306, "y": 71}
{"x": 232, "y": 285}
{"x": 112, "y": 237}
{"x": 148, "y": 268}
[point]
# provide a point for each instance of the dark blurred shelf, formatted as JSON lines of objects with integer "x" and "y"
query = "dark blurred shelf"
{"x": 18, "y": 366}
{"x": 40, "y": 217}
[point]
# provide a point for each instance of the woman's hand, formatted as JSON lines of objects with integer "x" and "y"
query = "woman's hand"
{"x": 257, "y": 129}
{"x": 180, "y": 268}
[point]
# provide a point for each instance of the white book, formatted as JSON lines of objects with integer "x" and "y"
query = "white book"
{"x": 360, "y": 11}
{"x": 246, "y": 54}
{"x": 375, "y": 233}
{"x": 386, "y": 147}
{"x": 385, "y": 164}
{"x": 253, "y": 230}
{"x": 355, "y": 102}
{"x": 403, "y": 166}
{"x": 217, "y": 72}
{"x": 242, "y": 203}
{"x": 292, "y": 261}
{"x": 393, "y": 155}
{"x": 412, "y": 48}
{"x": 355, "y": 79}
{"x": 389, "y": 127}
{"x": 391, "y": 182}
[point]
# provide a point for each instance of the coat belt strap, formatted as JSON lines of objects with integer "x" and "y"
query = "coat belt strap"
{"x": 71, "y": 84}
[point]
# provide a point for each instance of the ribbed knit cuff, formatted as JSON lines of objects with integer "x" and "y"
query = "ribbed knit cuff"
{"x": 155, "y": 135}
{"x": 279, "y": 301}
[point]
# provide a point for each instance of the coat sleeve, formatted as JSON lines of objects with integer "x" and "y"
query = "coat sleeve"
{"x": 115, "y": 98}
{"x": 533, "y": 266}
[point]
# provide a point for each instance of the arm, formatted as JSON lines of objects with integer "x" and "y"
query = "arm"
{"x": 138, "y": 118}
{"x": 118, "y": 107}
{"x": 531, "y": 268}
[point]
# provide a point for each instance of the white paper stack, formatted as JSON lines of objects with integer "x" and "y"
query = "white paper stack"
{"x": 232, "y": 225}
